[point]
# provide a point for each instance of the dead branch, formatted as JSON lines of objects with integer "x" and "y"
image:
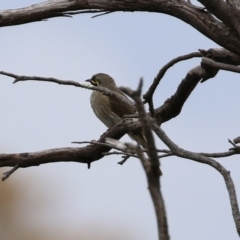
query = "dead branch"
{"x": 225, "y": 12}
{"x": 173, "y": 105}
{"x": 220, "y": 154}
{"x": 207, "y": 62}
{"x": 21, "y": 78}
{"x": 152, "y": 165}
{"x": 87, "y": 155}
{"x": 221, "y": 55}
{"x": 209, "y": 161}
{"x": 149, "y": 94}
{"x": 199, "y": 18}
{"x": 236, "y": 140}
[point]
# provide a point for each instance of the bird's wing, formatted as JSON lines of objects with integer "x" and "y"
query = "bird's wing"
{"x": 120, "y": 108}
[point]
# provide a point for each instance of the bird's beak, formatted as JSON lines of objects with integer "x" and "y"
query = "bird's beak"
{"x": 93, "y": 82}
{"x": 90, "y": 81}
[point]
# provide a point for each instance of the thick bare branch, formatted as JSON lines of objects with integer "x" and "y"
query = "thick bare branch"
{"x": 173, "y": 105}
{"x": 225, "y": 12}
{"x": 149, "y": 94}
{"x": 169, "y": 109}
{"x": 197, "y": 17}
{"x": 235, "y": 3}
{"x": 88, "y": 154}
{"x": 221, "y": 55}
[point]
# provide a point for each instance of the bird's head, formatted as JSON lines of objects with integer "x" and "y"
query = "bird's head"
{"x": 103, "y": 80}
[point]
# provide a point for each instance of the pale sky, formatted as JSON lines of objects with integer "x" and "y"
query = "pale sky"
{"x": 127, "y": 46}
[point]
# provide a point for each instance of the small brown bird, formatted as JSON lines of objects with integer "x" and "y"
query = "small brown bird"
{"x": 109, "y": 110}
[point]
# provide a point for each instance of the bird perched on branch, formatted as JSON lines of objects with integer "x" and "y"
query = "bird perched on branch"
{"x": 109, "y": 110}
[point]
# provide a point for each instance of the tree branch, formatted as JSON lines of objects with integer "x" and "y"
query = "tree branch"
{"x": 149, "y": 94}
{"x": 105, "y": 91}
{"x": 87, "y": 155}
{"x": 197, "y": 17}
{"x": 207, "y": 62}
{"x": 173, "y": 105}
{"x": 206, "y": 160}
{"x": 152, "y": 165}
{"x": 225, "y": 12}
{"x": 171, "y": 108}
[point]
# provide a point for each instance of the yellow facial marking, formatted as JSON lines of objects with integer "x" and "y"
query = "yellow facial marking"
{"x": 95, "y": 82}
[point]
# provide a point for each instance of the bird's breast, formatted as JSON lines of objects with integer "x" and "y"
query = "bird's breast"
{"x": 102, "y": 109}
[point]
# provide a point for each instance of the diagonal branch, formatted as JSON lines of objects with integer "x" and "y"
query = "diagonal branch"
{"x": 206, "y": 160}
{"x": 151, "y": 167}
{"x": 173, "y": 105}
{"x": 225, "y": 12}
{"x": 148, "y": 96}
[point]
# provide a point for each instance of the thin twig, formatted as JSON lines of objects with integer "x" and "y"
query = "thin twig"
{"x": 82, "y": 142}
{"x": 230, "y": 141}
{"x": 125, "y": 158}
{"x": 166, "y": 155}
{"x": 119, "y": 153}
{"x": 102, "y": 14}
{"x": 20, "y": 78}
{"x": 8, "y": 173}
{"x": 124, "y": 153}
{"x": 84, "y": 11}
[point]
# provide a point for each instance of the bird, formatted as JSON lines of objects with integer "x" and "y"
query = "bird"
{"x": 107, "y": 109}
{"x": 110, "y": 111}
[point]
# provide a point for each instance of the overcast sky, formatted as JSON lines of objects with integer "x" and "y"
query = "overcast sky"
{"x": 37, "y": 116}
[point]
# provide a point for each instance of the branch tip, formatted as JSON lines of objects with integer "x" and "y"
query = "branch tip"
{"x": 8, "y": 173}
